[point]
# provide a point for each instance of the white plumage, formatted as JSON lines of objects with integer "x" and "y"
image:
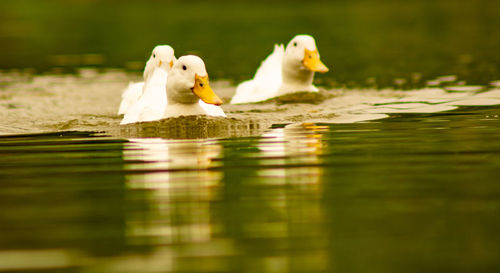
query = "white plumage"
{"x": 266, "y": 82}
{"x": 130, "y": 95}
{"x": 212, "y": 110}
{"x": 151, "y": 105}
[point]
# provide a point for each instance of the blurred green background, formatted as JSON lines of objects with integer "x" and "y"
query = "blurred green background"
{"x": 364, "y": 42}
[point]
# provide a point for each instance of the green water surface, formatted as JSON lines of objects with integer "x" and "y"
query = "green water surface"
{"x": 411, "y": 193}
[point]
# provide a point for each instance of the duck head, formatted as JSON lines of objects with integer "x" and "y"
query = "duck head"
{"x": 302, "y": 53}
{"x": 187, "y": 82}
{"x": 162, "y": 57}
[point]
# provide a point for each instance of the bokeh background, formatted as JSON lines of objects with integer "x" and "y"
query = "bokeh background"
{"x": 372, "y": 43}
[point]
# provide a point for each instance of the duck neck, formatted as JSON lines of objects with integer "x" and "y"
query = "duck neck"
{"x": 295, "y": 77}
{"x": 175, "y": 96}
{"x": 155, "y": 81}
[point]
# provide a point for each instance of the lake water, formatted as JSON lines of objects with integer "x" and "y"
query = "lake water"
{"x": 395, "y": 167}
{"x": 413, "y": 193}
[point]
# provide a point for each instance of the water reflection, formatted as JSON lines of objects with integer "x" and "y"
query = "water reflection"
{"x": 177, "y": 183}
{"x": 250, "y": 218}
{"x": 273, "y": 211}
{"x": 292, "y": 152}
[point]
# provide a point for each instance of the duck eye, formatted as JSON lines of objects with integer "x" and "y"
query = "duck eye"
{"x": 295, "y": 44}
{"x": 154, "y": 55}
{"x": 201, "y": 84}
{"x": 184, "y": 67}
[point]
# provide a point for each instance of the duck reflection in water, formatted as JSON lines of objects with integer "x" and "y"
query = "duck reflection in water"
{"x": 280, "y": 200}
{"x": 203, "y": 200}
{"x": 293, "y": 154}
{"x": 177, "y": 183}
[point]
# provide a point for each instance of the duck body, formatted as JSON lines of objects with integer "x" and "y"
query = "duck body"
{"x": 266, "y": 82}
{"x": 151, "y": 105}
{"x": 211, "y": 110}
{"x": 182, "y": 109}
{"x": 200, "y": 108}
{"x": 130, "y": 95}
{"x": 284, "y": 71}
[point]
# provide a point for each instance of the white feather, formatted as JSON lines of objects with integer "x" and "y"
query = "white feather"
{"x": 212, "y": 110}
{"x": 152, "y": 103}
{"x": 130, "y": 95}
{"x": 266, "y": 82}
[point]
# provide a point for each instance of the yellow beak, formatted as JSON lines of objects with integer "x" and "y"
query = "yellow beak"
{"x": 312, "y": 62}
{"x": 171, "y": 64}
{"x": 203, "y": 90}
{"x": 159, "y": 64}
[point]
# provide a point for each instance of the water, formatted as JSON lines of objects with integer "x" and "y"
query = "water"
{"x": 413, "y": 193}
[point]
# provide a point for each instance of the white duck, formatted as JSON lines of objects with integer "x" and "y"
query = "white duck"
{"x": 163, "y": 56}
{"x": 188, "y": 83}
{"x": 152, "y": 100}
{"x": 284, "y": 71}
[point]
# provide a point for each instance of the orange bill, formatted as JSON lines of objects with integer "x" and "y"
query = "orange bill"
{"x": 312, "y": 62}
{"x": 203, "y": 90}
